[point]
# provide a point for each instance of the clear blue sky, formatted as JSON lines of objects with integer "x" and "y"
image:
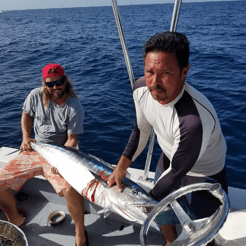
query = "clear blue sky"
{"x": 42, "y": 4}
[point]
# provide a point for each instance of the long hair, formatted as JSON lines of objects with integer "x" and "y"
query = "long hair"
{"x": 69, "y": 89}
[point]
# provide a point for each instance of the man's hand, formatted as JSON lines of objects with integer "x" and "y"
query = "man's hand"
{"x": 119, "y": 173}
{"x": 116, "y": 178}
{"x": 72, "y": 140}
{"x": 26, "y": 144}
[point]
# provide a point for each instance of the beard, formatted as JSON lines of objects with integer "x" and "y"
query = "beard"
{"x": 158, "y": 92}
{"x": 157, "y": 88}
{"x": 57, "y": 93}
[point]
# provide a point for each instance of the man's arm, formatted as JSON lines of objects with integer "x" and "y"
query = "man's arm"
{"x": 135, "y": 145}
{"x": 26, "y": 127}
{"x": 72, "y": 140}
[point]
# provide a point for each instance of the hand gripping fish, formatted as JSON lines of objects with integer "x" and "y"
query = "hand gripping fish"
{"x": 88, "y": 176}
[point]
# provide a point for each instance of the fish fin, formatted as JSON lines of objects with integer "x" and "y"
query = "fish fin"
{"x": 105, "y": 211}
{"x": 102, "y": 211}
{"x": 106, "y": 214}
{"x": 103, "y": 182}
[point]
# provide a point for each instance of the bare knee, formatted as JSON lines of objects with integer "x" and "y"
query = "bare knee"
{"x": 70, "y": 193}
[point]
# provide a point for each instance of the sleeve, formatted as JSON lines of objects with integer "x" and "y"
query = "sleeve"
{"x": 76, "y": 121}
{"x": 29, "y": 104}
{"x": 140, "y": 134}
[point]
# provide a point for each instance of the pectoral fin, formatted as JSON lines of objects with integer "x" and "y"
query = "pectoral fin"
{"x": 105, "y": 211}
{"x": 103, "y": 182}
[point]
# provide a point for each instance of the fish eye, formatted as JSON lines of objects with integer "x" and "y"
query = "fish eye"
{"x": 134, "y": 192}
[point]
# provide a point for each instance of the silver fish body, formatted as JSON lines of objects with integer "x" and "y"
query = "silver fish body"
{"x": 88, "y": 176}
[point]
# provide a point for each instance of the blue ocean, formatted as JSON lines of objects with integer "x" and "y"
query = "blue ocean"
{"x": 86, "y": 43}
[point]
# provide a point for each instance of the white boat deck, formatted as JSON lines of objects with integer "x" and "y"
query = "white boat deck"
{"x": 39, "y": 199}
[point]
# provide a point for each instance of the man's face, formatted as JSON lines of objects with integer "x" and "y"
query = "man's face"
{"x": 56, "y": 91}
{"x": 163, "y": 77}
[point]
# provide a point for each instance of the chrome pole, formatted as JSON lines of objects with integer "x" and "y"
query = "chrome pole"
{"x": 175, "y": 17}
{"x": 173, "y": 27}
{"x": 122, "y": 40}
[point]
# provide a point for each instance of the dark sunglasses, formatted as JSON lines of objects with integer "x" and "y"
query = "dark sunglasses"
{"x": 57, "y": 82}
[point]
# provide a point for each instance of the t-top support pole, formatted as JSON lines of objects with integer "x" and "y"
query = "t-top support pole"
{"x": 122, "y": 40}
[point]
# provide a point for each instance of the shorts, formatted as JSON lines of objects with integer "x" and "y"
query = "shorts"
{"x": 26, "y": 165}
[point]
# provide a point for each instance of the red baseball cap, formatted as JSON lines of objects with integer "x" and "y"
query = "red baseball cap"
{"x": 57, "y": 67}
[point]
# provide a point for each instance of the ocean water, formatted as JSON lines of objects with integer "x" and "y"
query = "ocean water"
{"x": 85, "y": 42}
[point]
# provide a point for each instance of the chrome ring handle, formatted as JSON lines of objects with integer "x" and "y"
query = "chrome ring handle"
{"x": 198, "y": 232}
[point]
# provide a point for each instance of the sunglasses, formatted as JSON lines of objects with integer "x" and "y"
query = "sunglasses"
{"x": 57, "y": 83}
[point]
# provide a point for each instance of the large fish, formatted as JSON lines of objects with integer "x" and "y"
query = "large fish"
{"x": 88, "y": 176}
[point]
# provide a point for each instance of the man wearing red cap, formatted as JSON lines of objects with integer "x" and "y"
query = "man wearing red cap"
{"x": 56, "y": 115}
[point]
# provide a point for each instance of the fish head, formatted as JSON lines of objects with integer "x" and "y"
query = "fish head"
{"x": 133, "y": 203}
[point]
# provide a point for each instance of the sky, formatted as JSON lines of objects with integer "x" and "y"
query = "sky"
{"x": 42, "y": 4}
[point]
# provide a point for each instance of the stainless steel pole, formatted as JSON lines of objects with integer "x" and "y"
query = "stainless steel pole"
{"x": 122, "y": 40}
{"x": 173, "y": 27}
{"x": 175, "y": 17}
